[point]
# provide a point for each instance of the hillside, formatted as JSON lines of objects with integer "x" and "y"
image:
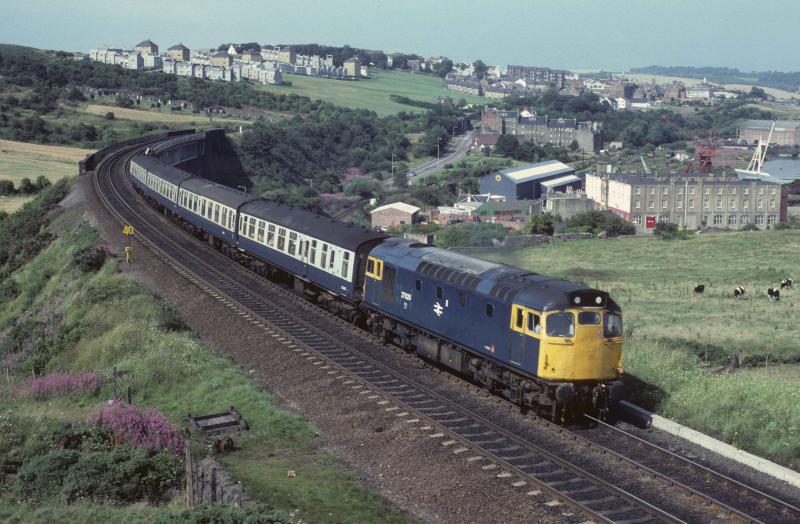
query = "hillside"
{"x": 83, "y": 330}
{"x": 675, "y": 338}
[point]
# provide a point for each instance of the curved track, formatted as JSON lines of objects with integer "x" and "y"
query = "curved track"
{"x": 524, "y": 463}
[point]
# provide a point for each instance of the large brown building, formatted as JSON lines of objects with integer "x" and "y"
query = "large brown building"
{"x": 538, "y": 76}
{"x": 786, "y": 132}
{"x": 352, "y": 68}
{"x": 542, "y": 129}
{"x": 147, "y": 47}
{"x": 221, "y": 59}
{"x": 691, "y": 200}
{"x": 179, "y": 52}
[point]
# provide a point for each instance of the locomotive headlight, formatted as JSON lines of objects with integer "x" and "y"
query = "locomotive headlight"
{"x": 598, "y": 300}
{"x": 577, "y": 300}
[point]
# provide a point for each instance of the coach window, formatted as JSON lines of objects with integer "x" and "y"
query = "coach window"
{"x": 418, "y": 285}
{"x": 271, "y": 235}
{"x": 203, "y": 207}
{"x": 281, "y": 239}
{"x": 333, "y": 259}
{"x": 292, "y": 242}
{"x": 260, "y": 236}
{"x": 439, "y": 292}
{"x": 324, "y": 256}
{"x": 224, "y": 216}
{"x": 216, "y": 213}
{"x": 490, "y": 310}
{"x": 345, "y": 263}
{"x": 313, "y": 257}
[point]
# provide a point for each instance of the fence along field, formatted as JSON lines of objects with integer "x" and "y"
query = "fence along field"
{"x": 676, "y": 339}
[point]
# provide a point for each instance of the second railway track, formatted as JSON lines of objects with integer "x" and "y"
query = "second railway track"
{"x": 528, "y": 466}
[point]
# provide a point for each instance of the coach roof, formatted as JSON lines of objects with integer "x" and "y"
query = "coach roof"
{"x": 342, "y": 234}
{"x": 168, "y": 173}
{"x": 217, "y": 192}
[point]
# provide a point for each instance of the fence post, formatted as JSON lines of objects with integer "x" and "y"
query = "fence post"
{"x": 190, "y": 476}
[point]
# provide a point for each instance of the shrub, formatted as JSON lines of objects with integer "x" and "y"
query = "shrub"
{"x": 110, "y": 116}
{"x": 542, "y": 223}
{"x": 60, "y": 384}
{"x": 669, "y": 231}
{"x": 596, "y": 221}
{"x": 147, "y": 429}
{"x": 90, "y": 258}
{"x": 252, "y": 514}
{"x": 750, "y": 227}
{"x": 123, "y": 475}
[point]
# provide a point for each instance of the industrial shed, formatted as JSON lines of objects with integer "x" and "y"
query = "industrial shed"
{"x": 530, "y": 182}
{"x": 396, "y": 214}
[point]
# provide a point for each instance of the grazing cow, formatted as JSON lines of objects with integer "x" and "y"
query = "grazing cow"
{"x": 738, "y": 292}
{"x": 774, "y": 294}
{"x": 699, "y": 288}
{"x": 786, "y": 283}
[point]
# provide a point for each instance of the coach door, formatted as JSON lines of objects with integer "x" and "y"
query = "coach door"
{"x": 304, "y": 247}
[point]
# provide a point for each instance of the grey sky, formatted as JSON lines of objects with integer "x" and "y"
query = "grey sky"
{"x": 571, "y": 34}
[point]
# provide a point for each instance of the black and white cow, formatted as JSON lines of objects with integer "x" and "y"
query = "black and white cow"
{"x": 699, "y": 288}
{"x": 774, "y": 294}
{"x": 786, "y": 283}
{"x": 738, "y": 292}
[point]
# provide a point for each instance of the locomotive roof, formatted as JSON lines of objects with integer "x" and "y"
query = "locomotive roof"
{"x": 348, "y": 236}
{"x": 171, "y": 174}
{"x": 217, "y": 192}
{"x": 492, "y": 279}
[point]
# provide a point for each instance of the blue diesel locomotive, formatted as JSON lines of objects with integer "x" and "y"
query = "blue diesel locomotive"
{"x": 543, "y": 343}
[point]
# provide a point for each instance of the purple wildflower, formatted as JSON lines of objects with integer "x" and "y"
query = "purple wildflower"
{"x": 143, "y": 428}
{"x": 59, "y": 384}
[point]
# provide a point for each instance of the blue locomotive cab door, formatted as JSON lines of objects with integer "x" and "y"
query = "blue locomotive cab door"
{"x": 517, "y": 338}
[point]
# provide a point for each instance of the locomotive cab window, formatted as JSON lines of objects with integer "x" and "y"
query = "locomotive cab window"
{"x": 418, "y": 285}
{"x": 439, "y": 292}
{"x": 612, "y": 325}
{"x": 374, "y": 268}
{"x": 560, "y": 325}
{"x": 490, "y": 310}
{"x": 462, "y": 300}
{"x": 588, "y": 318}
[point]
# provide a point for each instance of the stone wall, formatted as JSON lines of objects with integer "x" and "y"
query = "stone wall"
{"x": 208, "y": 482}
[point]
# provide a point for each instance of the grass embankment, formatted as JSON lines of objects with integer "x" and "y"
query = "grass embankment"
{"x": 158, "y": 116}
{"x": 674, "y": 338}
{"x": 20, "y": 160}
{"x": 373, "y": 93}
{"x": 58, "y": 317}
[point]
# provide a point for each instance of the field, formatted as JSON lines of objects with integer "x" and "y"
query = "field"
{"x": 20, "y": 160}
{"x": 168, "y": 117}
{"x": 675, "y": 339}
{"x": 372, "y": 93}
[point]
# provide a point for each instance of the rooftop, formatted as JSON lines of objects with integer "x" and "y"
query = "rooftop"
{"x": 534, "y": 171}
{"x": 400, "y": 206}
{"x": 780, "y": 125}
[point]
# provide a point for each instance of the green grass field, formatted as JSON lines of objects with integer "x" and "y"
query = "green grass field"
{"x": 372, "y": 93}
{"x": 674, "y": 338}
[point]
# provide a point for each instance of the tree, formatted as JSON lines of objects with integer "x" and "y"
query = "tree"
{"x": 574, "y": 146}
{"x": 480, "y": 68}
{"x": 400, "y": 179}
{"x": 541, "y": 224}
{"x": 757, "y": 92}
{"x": 362, "y": 187}
{"x": 507, "y": 145}
{"x": 109, "y": 116}
{"x": 42, "y": 182}
{"x": 444, "y": 67}
{"x": 7, "y": 187}
{"x": 26, "y": 187}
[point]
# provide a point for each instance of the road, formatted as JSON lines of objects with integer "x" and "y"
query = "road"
{"x": 452, "y": 154}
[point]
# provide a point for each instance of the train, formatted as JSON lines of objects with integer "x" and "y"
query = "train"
{"x": 546, "y": 344}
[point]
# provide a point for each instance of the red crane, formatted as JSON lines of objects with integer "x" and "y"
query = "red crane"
{"x": 704, "y": 147}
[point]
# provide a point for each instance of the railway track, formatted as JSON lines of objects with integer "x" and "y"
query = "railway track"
{"x": 527, "y": 466}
